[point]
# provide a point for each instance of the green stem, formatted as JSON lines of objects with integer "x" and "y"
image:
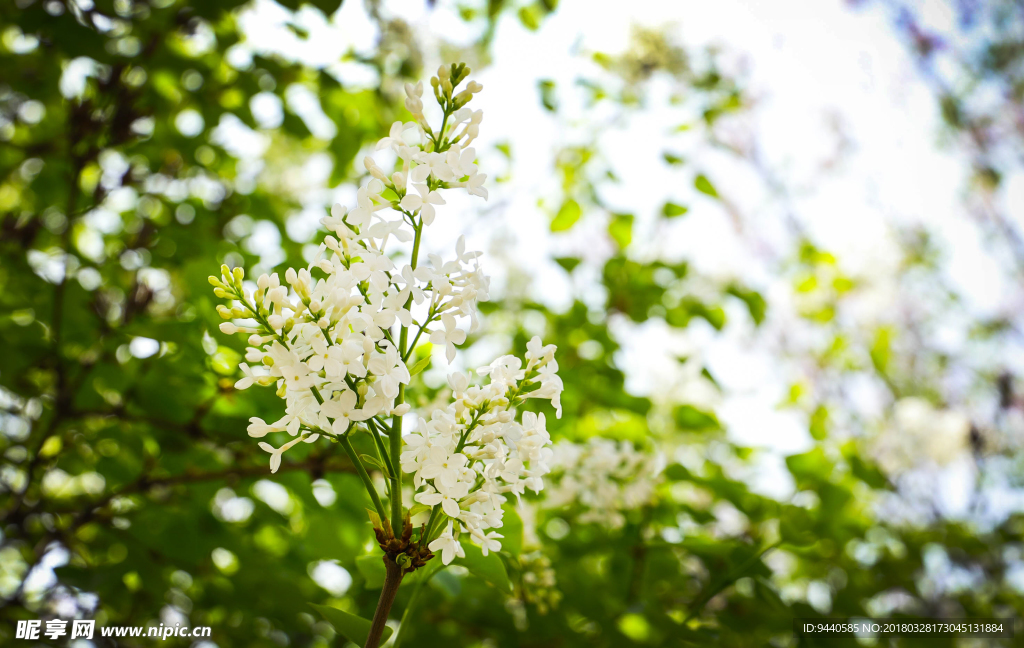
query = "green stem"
{"x": 428, "y": 530}
{"x": 412, "y": 347}
{"x": 396, "y": 421}
{"x": 381, "y": 449}
{"x": 345, "y": 443}
{"x": 440, "y": 148}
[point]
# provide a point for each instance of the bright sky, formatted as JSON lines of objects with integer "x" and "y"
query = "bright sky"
{"x": 812, "y": 64}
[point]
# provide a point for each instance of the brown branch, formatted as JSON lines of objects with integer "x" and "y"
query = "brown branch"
{"x": 392, "y": 579}
{"x": 317, "y": 465}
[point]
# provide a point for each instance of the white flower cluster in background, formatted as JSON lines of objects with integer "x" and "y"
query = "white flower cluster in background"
{"x": 604, "y": 478}
{"x": 335, "y": 337}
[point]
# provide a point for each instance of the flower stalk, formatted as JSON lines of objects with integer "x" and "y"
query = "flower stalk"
{"x": 393, "y": 574}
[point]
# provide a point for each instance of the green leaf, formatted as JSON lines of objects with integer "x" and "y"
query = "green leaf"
{"x": 417, "y": 509}
{"x": 881, "y": 349}
{"x": 374, "y": 461}
{"x": 756, "y": 304}
{"x": 512, "y": 529}
{"x": 741, "y": 564}
{"x": 867, "y": 473}
{"x": 530, "y": 18}
{"x": 420, "y": 365}
{"x": 688, "y": 417}
{"x": 810, "y": 468}
{"x": 819, "y": 423}
{"x": 371, "y": 566}
{"x": 796, "y": 527}
{"x": 374, "y": 519}
{"x": 350, "y": 626}
{"x": 703, "y": 185}
{"x": 489, "y": 567}
{"x": 672, "y": 158}
{"x": 677, "y": 472}
{"x": 568, "y": 263}
{"x": 567, "y": 216}
{"x": 621, "y": 229}
{"x": 671, "y": 210}
{"x": 548, "y": 98}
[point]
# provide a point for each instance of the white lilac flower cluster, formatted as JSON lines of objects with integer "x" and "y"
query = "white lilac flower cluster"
{"x": 336, "y": 336}
{"x": 604, "y": 478}
{"x": 469, "y": 454}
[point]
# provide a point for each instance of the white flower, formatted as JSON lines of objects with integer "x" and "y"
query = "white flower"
{"x": 418, "y": 450}
{"x": 259, "y": 428}
{"x": 450, "y": 336}
{"x": 383, "y": 229}
{"x": 432, "y": 164}
{"x": 335, "y": 222}
{"x": 275, "y": 454}
{"x": 394, "y": 138}
{"x": 441, "y": 465}
{"x": 448, "y": 545}
{"x": 459, "y": 161}
{"x": 604, "y": 478}
{"x": 488, "y": 542}
{"x": 328, "y": 336}
{"x": 297, "y": 377}
{"x": 537, "y": 353}
{"x": 390, "y": 371}
{"x": 343, "y": 410}
{"x": 511, "y": 470}
{"x": 248, "y": 378}
{"x": 448, "y": 498}
{"x": 425, "y": 202}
